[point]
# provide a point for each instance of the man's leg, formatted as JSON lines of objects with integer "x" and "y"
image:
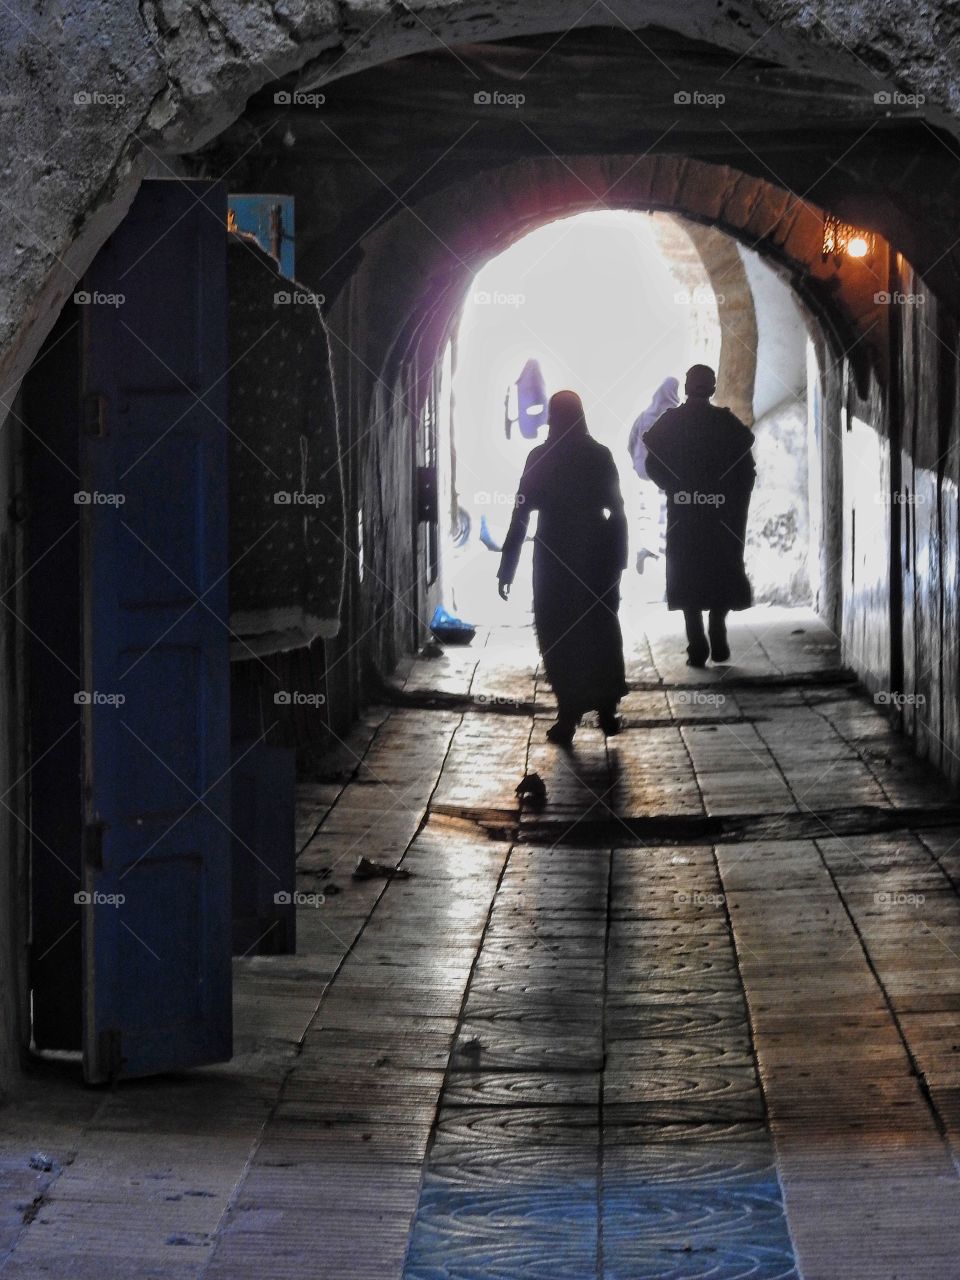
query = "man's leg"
{"x": 719, "y": 648}
{"x": 698, "y": 650}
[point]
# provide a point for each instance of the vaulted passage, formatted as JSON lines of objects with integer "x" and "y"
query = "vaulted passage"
{"x": 332, "y": 943}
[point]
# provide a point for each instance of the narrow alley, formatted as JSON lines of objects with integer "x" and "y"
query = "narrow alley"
{"x": 696, "y": 1015}
{"x": 404, "y": 872}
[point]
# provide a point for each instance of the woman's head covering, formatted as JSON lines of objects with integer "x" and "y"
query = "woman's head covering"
{"x": 565, "y": 416}
{"x": 667, "y": 395}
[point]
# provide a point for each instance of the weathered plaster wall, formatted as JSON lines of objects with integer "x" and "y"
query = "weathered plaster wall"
{"x": 866, "y": 477}
{"x": 781, "y": 337}
{"x": 779, "y": 536}
{"x": 929, "y": 519}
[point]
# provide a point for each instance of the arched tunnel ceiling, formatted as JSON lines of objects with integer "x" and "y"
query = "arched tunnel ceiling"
{"x": 182, "y": 72}
{"x": 414, "y": 266}
{"x": 417, "y": 266}
{"x": 407, "y": 129}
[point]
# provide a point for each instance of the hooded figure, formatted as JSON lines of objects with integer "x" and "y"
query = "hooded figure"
{"x": 526, "y": 402}
{"x": 666, "y": 396}
{"x": 702, "y": 457}
{"x": 579, "y": 552}
{"x": 651, "y": 502}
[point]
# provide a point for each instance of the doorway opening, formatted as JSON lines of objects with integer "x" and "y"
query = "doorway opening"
{"x": 611, "y": 303}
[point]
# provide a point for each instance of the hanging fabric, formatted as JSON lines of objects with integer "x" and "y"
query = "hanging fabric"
{"x": 286, "y": 499}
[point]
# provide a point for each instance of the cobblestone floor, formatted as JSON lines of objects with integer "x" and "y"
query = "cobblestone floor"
{"x": 698, "y": 1016}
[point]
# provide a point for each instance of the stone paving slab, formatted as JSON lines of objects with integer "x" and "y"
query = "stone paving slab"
{"x": 570, "y": 1044}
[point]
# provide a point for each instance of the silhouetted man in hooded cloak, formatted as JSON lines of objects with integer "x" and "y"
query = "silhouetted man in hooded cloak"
{"x": 702, "y": 457}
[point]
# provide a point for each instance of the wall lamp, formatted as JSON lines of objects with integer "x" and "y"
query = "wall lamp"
{"x": 843, "y": 240}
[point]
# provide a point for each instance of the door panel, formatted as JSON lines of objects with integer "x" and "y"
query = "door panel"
{"x": 156, "y": 932}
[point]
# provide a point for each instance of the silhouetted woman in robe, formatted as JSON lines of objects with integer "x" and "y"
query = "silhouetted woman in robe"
{"x": 579, "y": 552}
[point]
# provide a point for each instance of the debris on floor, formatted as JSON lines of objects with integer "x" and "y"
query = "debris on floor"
{"x": 368, "y": 869}
{"x": 533, "y": 789}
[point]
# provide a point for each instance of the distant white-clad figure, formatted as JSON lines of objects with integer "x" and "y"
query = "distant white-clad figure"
{"x": 652, "y": 502}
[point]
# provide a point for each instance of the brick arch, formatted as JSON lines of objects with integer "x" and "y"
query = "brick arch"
{"x": 185, "y": 79}
{"x": 718, "y": 264}
{"x": 430, "y": 253}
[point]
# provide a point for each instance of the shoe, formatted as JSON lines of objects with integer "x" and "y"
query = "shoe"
{"x": 561, "y": 733}
{"x": 697, "y": 654}
{"x": 719, "y": 647}
{"x": 610, "y": 723}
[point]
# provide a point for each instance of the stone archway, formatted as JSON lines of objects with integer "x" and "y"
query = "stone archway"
{"x": 717, "y": 259}
{"x": 429, "y": 252}
{"x": 88, "y": 119}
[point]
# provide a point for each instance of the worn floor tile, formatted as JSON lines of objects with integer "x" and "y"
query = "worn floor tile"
{"x": 698, "y": 1046}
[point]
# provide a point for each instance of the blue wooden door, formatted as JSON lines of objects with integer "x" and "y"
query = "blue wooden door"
{"x": 156, "y": 874}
